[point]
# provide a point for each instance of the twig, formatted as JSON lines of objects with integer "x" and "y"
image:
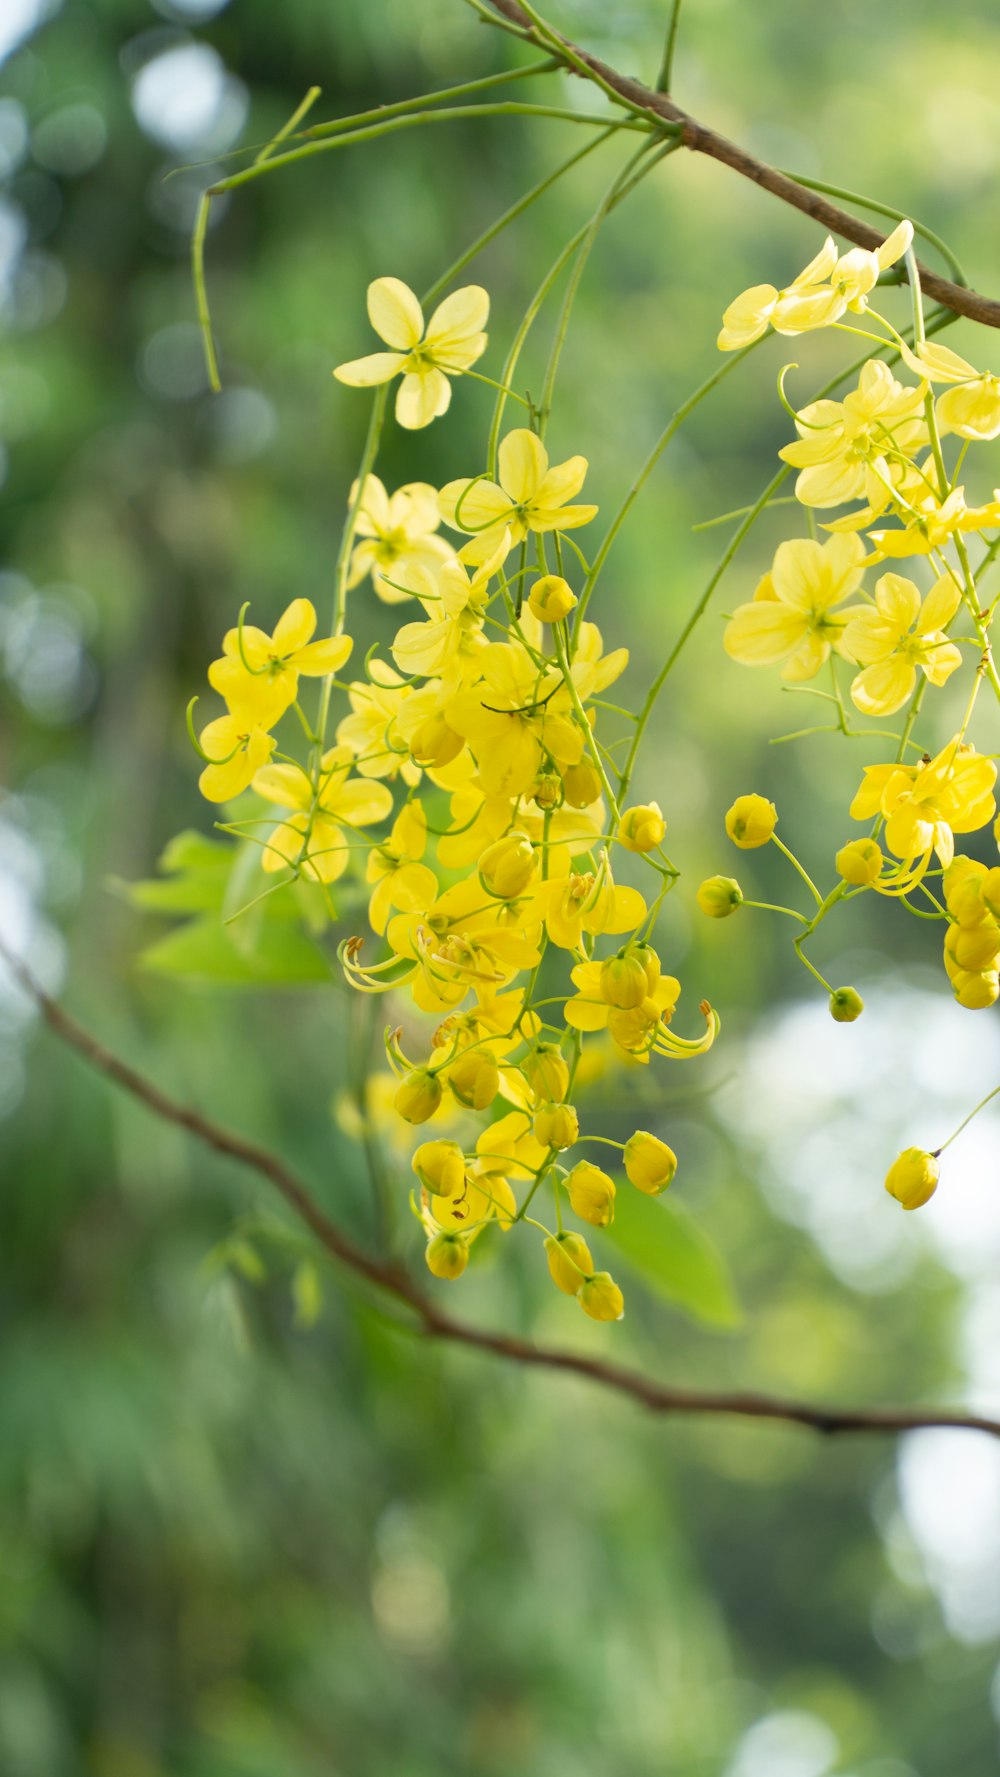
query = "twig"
{"x": 701, "y": 139}
{"x": 388, "y": 1277}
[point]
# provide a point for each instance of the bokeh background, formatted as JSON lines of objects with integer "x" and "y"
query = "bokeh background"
{"x": 249, "y": 1527}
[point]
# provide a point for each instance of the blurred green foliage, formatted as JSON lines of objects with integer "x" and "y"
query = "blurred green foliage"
{"x": 248, "y": 1527}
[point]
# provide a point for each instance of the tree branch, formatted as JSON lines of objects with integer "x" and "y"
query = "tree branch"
{"x": 391, "y": 1279}
{"x": 701, "y": 139}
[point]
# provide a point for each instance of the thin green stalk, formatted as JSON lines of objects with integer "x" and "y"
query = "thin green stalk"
{"x": 665, "y": 75}
{"x": 441, "y": 96}
{"x": 200, "y": 290}
{"x": 286, "y": 129}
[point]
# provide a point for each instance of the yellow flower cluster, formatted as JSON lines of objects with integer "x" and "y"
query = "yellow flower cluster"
{"x": 491, "y": 883}
{"x": 882, "y": 453}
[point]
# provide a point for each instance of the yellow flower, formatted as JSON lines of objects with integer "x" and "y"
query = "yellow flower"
{"x": 485, "y": 1196}
{"x": 751, "y": 821}
{"x": 461, "y": 941}
{"x": 400, "y": 879}
{"x": 791, "y": 616}
{"x": 551, "y": 599}
{"x": 858, "y": 448}
{"x": 520, "y": 714}
{"x": 971, "y": 407}
{"x": 574, "y": 904}
{"x": 371, "y": 729}
{"x": 898, "y": 636}
{"x": 817, "y": 297}
{"x": 930, "y": 523}
{"x": 260, "y": 672}
{"x": 236, "y": 746}
{"x": 640, "y": 1030}
{"x": 531, "y": 496}
{"x": 913, "y": 1178}
{"x": 925, "y": 806}
{"x": 397, "y": 536}
{"x": 451, "y": 640}
{"x": 312, "y": 838}
{"x": 451, "y": 343}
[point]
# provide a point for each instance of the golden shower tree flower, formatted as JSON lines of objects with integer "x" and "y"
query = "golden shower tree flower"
{"x": 901, "y": 634}
{"x": 792, "y": 615}
{"x": 426, "y": 357}
{"x": 398, "y": 534}
{"x": 861, "y": 447}
{"x": 261, "y": 672}
{"x": 312, "y": 839}
{"x": 530, "y": 495}
{"x": 925, "y": 805}
{"x": 829, "y": 285}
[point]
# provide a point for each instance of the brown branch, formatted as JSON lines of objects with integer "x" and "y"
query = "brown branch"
{"x": 659, "y": 1397}
{"x": 701, "y": 139}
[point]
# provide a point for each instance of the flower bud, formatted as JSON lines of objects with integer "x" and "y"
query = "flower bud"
{"x": 649, "y": 1163}
{"x": 475, "y": 1079}
{"x": 440, "y": 1166}
{"x": 581, "y": 784}
{"x": 646, "y": 955}
{"x": 507, "y": 866}
{"x": 547, "y": 791}
{"x": 417, "y": 1096}
{"x": 551, "y": 599}
{"x": 846, "y": 1005}
{"x": 976, "y": 989}
{"x": 546, "y": 1073}
{"x": 623, "y": 981}
{"x": 434, "y": 744}
{"x": 591, "y": 1194}
{"x": 556, "y": 1125}
{"x": 991, "y": 891}
{"x": 642, "y": 828}
{"x": 570, "y": 1263}
{"x": 751, "y": 821}
{"x": 974, "y": 947}
{"x": 963, "y": 883}
{"x": 719, "y": 896}
{"x": 912, "y": 1178}
{"x": 859, "y": 862}
{"x": 447, "y": 1255}
{"x": 601, "y": 1298}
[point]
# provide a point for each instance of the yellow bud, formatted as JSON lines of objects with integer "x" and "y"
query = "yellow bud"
{"x": 418, "y": 1095}
{"x": 912, "y": 1178}
{"x": 859, "y": 862}
{"x": 649, "y": 1163}
{"x": 440, "y": 1166}
{"x": 581, "y": 784}
{"x": 991, "y": 890}
{"x": 547, "y": 790}
{"x": 546, "y": 1073}
{"x": 475, "y": 1079}
{"x": 719, "y": 896}
{"x": 846, "y": 1005}
{"x": 975, "y": 947}
{"x": 976, "y": 990}
{"x": 435, "y": 744}
{"x": 556, "y": 1125}
{"x": 641, "y": 828}
{"x": 592, "y": 1194}
{"x": 963, "y": 883}
{"x": 751, "y": 821}
{"x": 447, "y": 1255}
{"x": 551, "y": 599}
{"x": 601, "y": 1298}
{"x": 570, "y": 1262}
{"x": 507, "y": 866}
{"x": 623, "y": 981}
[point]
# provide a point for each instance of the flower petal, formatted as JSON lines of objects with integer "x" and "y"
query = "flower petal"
{"x": 365, "y": 373}
{"x": 523, "y": 462}
{"x": 395, "y": 313}
{"x": 294, "y": 627}
{"x": 421, "y": 397}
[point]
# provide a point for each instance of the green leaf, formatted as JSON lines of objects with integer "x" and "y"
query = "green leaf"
{"x": 205, "y": 950}
{"x": 196, "y": 871}
{"x": 665, "y": 1246}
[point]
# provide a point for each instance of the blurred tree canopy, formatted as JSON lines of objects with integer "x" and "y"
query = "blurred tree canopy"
{"x": 248, "y": 1527}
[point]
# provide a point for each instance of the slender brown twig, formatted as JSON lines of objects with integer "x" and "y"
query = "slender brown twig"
{"x": 391, "y": 1279}
{"x": 702, "y": 139}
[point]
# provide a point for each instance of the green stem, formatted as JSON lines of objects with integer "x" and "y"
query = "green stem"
{"x": 665, "y": 75}
{"x": 880, "y": 209}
